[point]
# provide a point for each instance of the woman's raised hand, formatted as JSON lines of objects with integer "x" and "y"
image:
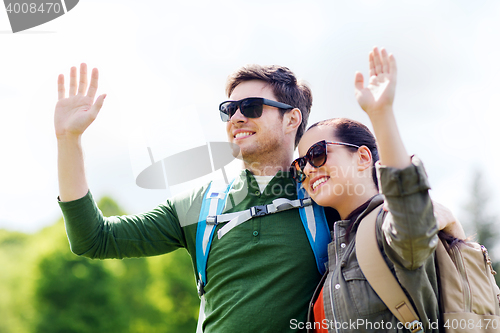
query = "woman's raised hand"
{"x": 378, "y": 95}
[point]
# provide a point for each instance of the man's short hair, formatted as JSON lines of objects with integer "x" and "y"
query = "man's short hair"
{"x": 284, "y": 84}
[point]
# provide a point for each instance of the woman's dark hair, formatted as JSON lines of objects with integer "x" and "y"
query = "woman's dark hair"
{"x": 354, "y": 132}
{"x": 449, "y": 239}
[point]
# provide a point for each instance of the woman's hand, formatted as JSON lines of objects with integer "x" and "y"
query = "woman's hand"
{"x": 447, "y": 221}
{"x": 376, "y": 100}
{"x": 378, "y": 95}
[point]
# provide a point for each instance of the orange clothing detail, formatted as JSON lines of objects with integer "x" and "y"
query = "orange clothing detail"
{"x": 319, "y": 314}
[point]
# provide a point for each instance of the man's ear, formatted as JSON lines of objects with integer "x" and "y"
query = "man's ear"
{"x": 292, "y": 120}
{"x": 364, "y": 158}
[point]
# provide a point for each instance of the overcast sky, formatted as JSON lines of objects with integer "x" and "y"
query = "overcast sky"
{"x": 163, "y": 65}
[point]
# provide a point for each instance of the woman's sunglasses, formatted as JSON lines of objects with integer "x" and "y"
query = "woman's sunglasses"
{"x": 250, "y": 107}
{"x": 316, "y": 156}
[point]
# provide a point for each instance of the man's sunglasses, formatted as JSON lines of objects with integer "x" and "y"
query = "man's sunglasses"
{"x": 250, "y": 107}
{"x": 316, "y": 156}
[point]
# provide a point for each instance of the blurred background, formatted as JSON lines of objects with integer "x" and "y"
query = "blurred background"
{"x": 163, "y": 65}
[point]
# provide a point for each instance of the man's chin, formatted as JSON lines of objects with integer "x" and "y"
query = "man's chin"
{"x": 249, "y": 153}
{"x": 246, "y": 148}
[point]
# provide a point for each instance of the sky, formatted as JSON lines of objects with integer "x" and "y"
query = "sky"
{"x": 163, "y": 66}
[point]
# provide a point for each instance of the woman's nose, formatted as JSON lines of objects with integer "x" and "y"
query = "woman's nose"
{"x": 308, "y": 169}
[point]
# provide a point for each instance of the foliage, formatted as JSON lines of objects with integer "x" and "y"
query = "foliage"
{"x": 46, "y": 288}
{"x": 76, "y": 295}
{"x": 14, "y": 312}
{"x": 481, "y": 224}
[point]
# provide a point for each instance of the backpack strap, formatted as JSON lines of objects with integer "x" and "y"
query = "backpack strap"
{"x": 213, "y": 204}
{"x": 379, "y": 275}
{"x": 318, "y": 233}
{"x": 312, "y": 216}
{"x": 237, "y": 218}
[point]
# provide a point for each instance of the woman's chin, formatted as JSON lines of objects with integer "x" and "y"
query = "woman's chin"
{"x": 323, "y": 199}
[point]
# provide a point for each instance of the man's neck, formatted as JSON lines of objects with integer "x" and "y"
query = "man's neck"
{"x": 268, "y": 168}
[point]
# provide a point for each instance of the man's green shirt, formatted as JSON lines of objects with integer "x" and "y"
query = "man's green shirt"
{"x": 260, "y": 275}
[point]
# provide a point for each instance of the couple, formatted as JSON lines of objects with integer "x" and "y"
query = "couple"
{"x": 262, "y": 274}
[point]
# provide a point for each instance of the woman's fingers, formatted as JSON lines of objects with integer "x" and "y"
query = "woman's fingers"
{"x": 385, "y": 61}
{"x": 377, "y": 61}
{"x": 371, "y": 61}
{"x": 392, "y": 65}
{"x": 381, "y": 62}
{"x": 358, "y": 81}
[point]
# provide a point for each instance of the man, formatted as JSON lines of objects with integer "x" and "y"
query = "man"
{"x": 262, "y": 273}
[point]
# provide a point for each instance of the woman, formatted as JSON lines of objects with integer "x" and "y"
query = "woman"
{"x": 337, "y": 168}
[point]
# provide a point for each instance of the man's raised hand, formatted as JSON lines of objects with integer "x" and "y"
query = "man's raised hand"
{"x": 76, "y": 112}
{"x": 378, "y": 95}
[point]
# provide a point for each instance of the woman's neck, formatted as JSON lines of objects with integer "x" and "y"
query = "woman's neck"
{"x": 351, "y": 203}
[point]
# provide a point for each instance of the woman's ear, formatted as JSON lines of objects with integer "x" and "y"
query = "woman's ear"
{"x": 292, "y": 120}
{"x": 364, "y": 158}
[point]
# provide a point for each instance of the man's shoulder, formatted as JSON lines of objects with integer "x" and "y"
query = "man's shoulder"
{"x": 188, "y": 203}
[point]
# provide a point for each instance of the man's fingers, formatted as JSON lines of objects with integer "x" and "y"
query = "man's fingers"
{"x": 72, "y": 81}
{"x": 82, "y": 87}
{"x": 97, "y": 105}
{"x": 372, "y": 64}
{"x": 385, "y": 61}
{"x": 358, "y": 81}
{"x": 377, "y": 61}
{"x": 60, "y": 87}
{"x": 93, "y": 83}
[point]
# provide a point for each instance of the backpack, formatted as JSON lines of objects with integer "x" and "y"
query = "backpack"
{"x": 312, "y": 216}
{"x": 469, "y": 296}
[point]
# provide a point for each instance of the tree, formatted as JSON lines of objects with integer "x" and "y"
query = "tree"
{"x": 174, "y": 290}
{"x": 15, "y": 316}
{"x": 76, "y": 294}
{"x": 159, "y": 292}
{"x": 481, "y": 223}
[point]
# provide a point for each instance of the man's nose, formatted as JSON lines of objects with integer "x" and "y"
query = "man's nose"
{"x": 238, "y": 117}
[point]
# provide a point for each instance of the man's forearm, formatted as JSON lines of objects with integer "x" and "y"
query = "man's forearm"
{"x": 71, "y": 169}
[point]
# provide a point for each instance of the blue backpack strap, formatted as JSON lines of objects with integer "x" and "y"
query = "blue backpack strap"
{"x": 316, "y": 227}
{"x": 213, "y": 204}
